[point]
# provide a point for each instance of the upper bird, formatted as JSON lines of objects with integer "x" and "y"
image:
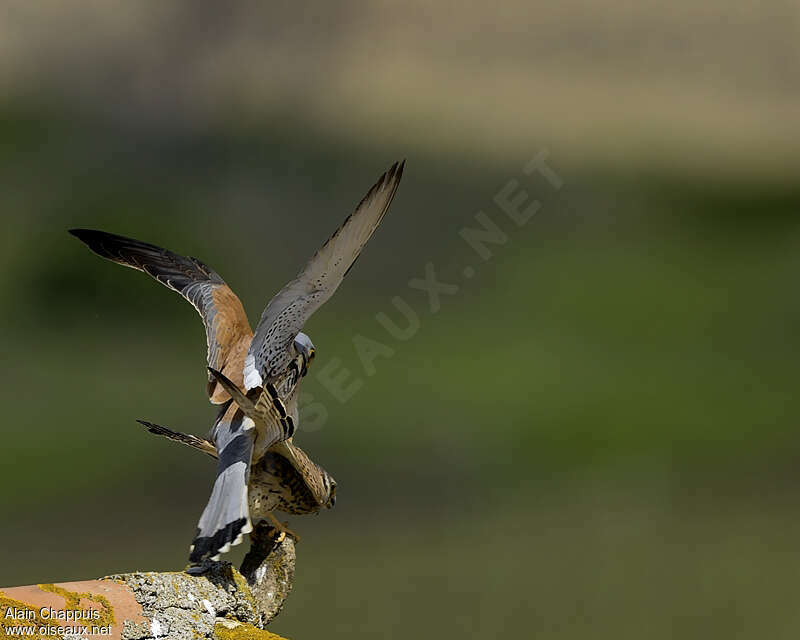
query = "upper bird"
{"x": 268, "y": 362}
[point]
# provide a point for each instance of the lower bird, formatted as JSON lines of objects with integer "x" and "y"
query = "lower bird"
{"x": 275, "y": 482}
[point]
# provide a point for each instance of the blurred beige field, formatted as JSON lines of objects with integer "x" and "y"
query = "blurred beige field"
{"x": 686, "y": 87}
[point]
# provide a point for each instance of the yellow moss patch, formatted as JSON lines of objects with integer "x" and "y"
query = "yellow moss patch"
{"x": 7, "y": 603}
{"x": 244, "y": 588}
{"x": 243, "y": 632}
{"x": 73, "y": 599}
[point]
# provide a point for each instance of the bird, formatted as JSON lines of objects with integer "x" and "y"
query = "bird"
{"x": 265, "y": 365}
{"x": 275, "y": 483}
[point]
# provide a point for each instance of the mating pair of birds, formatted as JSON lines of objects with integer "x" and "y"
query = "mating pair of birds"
{"x": 255, "y": 375}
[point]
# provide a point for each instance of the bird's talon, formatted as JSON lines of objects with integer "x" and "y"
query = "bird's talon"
{"x": 280, "y": 537}
{"x": 283, "y": 529}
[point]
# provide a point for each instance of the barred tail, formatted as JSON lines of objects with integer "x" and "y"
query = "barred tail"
{"x": 226, "y": 517}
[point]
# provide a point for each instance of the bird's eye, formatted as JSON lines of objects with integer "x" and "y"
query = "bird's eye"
{"x": 311, "y": 354}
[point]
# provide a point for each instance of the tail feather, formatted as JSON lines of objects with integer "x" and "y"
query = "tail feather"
{"x": 200, "y": 444}
{"x": 226, "y": 517}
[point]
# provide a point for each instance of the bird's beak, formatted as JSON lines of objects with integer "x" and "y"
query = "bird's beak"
{"x": 307, "y": 362}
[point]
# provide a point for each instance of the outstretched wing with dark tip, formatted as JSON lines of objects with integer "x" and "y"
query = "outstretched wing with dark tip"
{"x": 288, "y": 311}
{"x": 227, "y": 327}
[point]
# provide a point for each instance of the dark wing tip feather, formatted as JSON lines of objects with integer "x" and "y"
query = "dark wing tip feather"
{"x": 392, "y": 174}
{"x": 153, "y": 428}
{"x": 392, "y": 177}
{"x": 93, "y": 239}
{"x": 123, "y": 250}
{"x": 157, "y": 429}
{"x": 169, "y": 268}
{"x": 81, "y": 233}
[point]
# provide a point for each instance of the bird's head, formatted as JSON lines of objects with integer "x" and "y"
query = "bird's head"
{"x": 304, "y": 346}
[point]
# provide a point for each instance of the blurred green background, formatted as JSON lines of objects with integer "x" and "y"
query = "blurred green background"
{"x": 597, "y": 436}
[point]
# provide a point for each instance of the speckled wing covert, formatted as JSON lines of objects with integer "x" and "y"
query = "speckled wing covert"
{"x": 228, "y": 331}
{"x": 270, "y": 350}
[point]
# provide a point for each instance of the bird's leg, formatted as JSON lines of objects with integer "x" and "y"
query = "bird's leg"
{"x": 282, "y": 528}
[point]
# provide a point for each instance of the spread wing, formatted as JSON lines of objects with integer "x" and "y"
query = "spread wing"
{"x": 227, "y": 327}
{"x": 285, "y": 315}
